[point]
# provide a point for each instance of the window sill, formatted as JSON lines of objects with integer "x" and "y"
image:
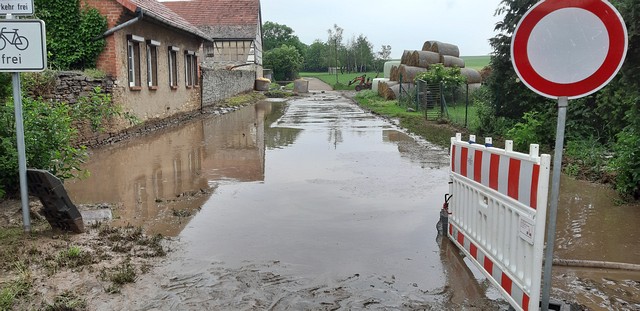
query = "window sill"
{"x": 153, "y": 88}
{"x": 135, "y": 88}
{"x": 189, "y": 86}
{"x": 174, "y": 87}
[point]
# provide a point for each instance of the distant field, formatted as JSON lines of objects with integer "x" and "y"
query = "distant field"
{"x": 476, "y": 62}
{"x": 343, "y": 79}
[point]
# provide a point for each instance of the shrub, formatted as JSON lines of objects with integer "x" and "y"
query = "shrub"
{"x": 48, "y": 137}
{"x": 627, "y": 163}
{"x": 530, "y": 131}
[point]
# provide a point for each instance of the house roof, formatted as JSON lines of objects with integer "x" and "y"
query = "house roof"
{"x": 221, "y": 19}
{"x": 161, "y": 13}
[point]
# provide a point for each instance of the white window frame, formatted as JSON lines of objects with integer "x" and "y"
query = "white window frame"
{"x": 173, "y": 66}
{"x": 152, "y": 63}
{"x": 133, "y": 60}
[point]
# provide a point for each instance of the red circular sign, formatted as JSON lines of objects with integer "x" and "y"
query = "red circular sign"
{"x": 544, "y": 21}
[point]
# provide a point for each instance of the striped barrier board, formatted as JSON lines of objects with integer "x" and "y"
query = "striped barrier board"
{"x": 498, "y": 210}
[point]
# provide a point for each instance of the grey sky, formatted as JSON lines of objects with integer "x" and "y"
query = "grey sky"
{"x": 403, "y": 24}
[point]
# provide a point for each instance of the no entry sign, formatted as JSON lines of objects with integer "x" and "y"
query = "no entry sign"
{"x": 569, "y": 48}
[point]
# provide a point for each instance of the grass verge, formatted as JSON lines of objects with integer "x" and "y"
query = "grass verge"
{"x": 439, "y": 133}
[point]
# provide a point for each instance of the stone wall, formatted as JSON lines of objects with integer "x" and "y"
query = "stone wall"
{"x": 70, "y": 86}
{"x": 220, "y": 84}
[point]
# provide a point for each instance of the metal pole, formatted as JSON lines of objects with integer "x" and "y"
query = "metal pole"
{"x": 563, "y": 102}
{"x": 466, "y": 107}
{"x": 22, "y": 158}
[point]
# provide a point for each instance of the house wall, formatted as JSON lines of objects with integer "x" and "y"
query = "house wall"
{"x": 163, "y": 101}
{"x": 145, "y": 102}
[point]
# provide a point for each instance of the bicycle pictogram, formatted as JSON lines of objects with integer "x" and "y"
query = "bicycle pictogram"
{"x": 20, "y": 42}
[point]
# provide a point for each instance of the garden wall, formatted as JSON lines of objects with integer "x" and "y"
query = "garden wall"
{"x": 220, "y": 84}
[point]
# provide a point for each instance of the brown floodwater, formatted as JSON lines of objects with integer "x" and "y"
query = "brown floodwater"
{"x": 316, "y": 202}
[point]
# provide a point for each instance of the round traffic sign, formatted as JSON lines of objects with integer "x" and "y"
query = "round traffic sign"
{"x": 569, "y": 48}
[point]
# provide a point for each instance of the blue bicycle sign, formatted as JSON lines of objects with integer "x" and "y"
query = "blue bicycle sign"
{"x": 20, "y": 42}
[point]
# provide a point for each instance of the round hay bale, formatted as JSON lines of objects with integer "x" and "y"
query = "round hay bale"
{"x": 427, "y": 45}
{"x": 376, "y": 82}
{"x": 452, "y": 61}
{"x": 424, "y": 58}
{"x": 473, "y": 76}
{"x": 387, "y": 67}
{"x": 408, "y": 73}
{"x": 394, "y": 90}
{"x": 445, "y": 48}
{"x": 394, "y": 73}
{"x": 405, "y": 56}
{"x": 383, "y": 89}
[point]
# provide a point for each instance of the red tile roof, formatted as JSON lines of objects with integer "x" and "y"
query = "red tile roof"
{"x": 218, "y": 12}
{"x": 158, "y": 11}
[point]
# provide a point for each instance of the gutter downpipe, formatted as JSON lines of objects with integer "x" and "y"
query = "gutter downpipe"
{"x": 140, "y": 15}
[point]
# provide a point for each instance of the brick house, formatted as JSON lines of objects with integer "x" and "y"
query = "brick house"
{"x": 234, "y": 25}
{"x": 153, "y": 55}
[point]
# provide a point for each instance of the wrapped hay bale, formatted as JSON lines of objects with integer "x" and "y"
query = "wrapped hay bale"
{"x": 376, "y": 82}
{"x": 473, "y": 76}
{"x": 387, "y": 67}
{"x": 452, "y": 61}
{"x": 424, "y": 58}
{"x": 445, "y": 48}
{"x": 408, "y": 73}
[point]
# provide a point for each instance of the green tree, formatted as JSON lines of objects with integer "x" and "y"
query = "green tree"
{"x": 275, "y": 35}
{"x": 73, "y": 33}
{"x": 314, "y": 59}
{"x": 285, "y": 61}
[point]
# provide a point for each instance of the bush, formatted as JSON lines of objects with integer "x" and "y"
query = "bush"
{"x": 48, "y": 142}
{"x": 627, "y": 163}
{"x": 530, "y": 131}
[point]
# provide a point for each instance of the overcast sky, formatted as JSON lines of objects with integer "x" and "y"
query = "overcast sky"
{"x": 403, "y": 24}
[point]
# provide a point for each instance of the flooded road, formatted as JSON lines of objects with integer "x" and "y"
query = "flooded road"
{"x": 311, "y": 205}
{"x": 314, "y": 204}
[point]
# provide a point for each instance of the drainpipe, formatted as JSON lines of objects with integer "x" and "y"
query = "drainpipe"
{"x": 139, "y": 16}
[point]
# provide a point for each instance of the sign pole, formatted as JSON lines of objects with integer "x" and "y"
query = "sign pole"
{"x": 22, "y": 155}
{"x": 563, "y": 102}
{"x": 22, "y": 158}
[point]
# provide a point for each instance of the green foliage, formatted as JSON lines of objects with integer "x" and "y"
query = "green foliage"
{"x": 276, "y": 35}
{"x": 627, "y": 163}
{"x": 38, "y": 84}
{"x": 95, "y": 108}
{"x": 586, "y": 158}
{"x": 285, "y": 61}
{"x": 48, "y": 139}
{"x": 72, "y": 33}
{"x": 5, "y": 86}
{"x": 527, "y": 132}
{"x": 439, "y": 74}
{"x": 315, "y": 59}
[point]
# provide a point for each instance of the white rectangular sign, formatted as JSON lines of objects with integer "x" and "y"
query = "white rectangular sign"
{"x": 16, "y": 7}
{"x": 23, "y": 45}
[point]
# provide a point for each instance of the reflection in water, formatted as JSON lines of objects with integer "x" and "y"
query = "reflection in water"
{"x": 176, "y": 169}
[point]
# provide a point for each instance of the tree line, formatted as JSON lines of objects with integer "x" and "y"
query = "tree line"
{"x": 287, "y": 55}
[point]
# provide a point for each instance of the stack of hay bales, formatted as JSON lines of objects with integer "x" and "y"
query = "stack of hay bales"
{"x": 414, "y": 62}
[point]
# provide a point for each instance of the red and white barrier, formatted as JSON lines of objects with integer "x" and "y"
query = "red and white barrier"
{"x": 498, "y": 212}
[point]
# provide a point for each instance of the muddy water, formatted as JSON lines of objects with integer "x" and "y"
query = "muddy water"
{"x": 309, "y": 205}
{"x": 591, "y": 227}
{"x": 316, "y": 204}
